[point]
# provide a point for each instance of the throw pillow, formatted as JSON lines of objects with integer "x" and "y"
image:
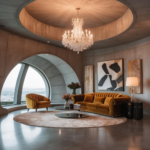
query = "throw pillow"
{"x": 107, "y": 100}
{"x": 88, "y": 98}
{"x": 98, "y": 100}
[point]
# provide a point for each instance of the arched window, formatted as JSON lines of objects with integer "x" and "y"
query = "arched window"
{"x": 27, "y": 78}
{"x": 8, "y": 90}
{"x": 33, "y": 83}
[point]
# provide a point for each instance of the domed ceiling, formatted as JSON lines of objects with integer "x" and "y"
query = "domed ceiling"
{"x": 112, "y": 22}
{"x": 59, "y": 13}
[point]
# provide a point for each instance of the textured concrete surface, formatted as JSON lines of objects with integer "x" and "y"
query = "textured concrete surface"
{"x": 136, "y": 50}
{"x": 131, "y": 135}
{"x": 67, "y": 72}
{"x": 58, "y": 73}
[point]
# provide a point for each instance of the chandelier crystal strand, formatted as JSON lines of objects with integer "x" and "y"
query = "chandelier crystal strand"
{"x": 77, "y": 40}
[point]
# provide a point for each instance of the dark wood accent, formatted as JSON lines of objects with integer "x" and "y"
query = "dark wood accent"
{"x": 133, "y": 110}
{"x": 137, "y": 110}
{"x": 128, "y": 110}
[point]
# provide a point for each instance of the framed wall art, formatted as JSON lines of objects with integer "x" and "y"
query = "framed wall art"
{"x": 88, "y": 79}
{"x": 135, "y": 70}
{"x": 110, "y": 75}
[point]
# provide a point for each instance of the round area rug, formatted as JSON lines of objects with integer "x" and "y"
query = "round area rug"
{"x": 48, "y": 119}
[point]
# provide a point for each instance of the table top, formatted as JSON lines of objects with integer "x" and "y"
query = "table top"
{"x": 72, "y": 115}
{"x": 65, "y": 108}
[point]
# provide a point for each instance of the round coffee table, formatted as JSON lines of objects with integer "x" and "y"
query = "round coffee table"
{"x": 65, "y": 108}
{"x": 70, "y": 115}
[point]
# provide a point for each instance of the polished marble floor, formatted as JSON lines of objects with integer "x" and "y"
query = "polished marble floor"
{"x": 132, "y": 135}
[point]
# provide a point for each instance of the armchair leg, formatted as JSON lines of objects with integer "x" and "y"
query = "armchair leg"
{"x": 36, "y": 110}
{"x": 47, "y": 108}
{"x": 28, "y": 109}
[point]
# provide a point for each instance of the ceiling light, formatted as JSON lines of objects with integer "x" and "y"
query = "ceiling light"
{"x": 77, "y": 39}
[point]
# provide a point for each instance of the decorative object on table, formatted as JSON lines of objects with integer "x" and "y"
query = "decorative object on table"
{"x": 110, "y": 75}
{"x": 77, "y": 106}
{"x": 135, "y": 70}
{"x": 137, "y": 110}
{"x": 74, "y": 86}
{"x": 77, "y": 40}
{"x": 67, "y": 97}
{"x": 71, "y": 106}
{"x": 88, "y": 79}
{"x": 132, "y": 82}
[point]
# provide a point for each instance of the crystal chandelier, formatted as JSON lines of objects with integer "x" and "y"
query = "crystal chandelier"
{"x": 77, "y": 39}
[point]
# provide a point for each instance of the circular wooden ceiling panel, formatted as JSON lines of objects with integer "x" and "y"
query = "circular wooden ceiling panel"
{"x": 59, "y": 13}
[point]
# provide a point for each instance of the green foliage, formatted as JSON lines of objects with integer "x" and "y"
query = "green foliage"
{"x": 74, "y": 85}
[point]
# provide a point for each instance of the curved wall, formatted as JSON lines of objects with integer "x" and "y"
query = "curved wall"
{"x": 66, "y": 71}
{"x": 14, "y": 49}
{"x": 104, "y": 32}
{"x": 136, "y": 50}
{"x": 58, "y": 73}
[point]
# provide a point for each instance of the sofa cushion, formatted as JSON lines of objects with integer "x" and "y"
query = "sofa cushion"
{"x": 83, "y": 103}
{"x": 107, "y": 100}
{"x": 98, "y": 100}
{"x": 103, "y": 106}
{"x": 88, "y": 98}
{"x": 91, "y": 105}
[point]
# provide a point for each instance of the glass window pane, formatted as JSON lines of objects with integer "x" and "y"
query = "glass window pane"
{"x": 8, "y": 90}
{"x": 33, "y": 83}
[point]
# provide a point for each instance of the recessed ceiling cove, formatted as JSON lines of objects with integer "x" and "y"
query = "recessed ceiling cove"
{"x": 50, "y": 19}
{"x": 59, "y": 13}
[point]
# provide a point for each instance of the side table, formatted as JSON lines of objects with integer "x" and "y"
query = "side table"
{"x": 128, "y": 110}
{"x": 137, "y": 110}
{"x": 133, "y": 110}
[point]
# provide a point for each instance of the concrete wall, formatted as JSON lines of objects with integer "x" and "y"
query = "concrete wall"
{"x": 66, "y": 71}
{"x": 57, "y": 71}
{"x": 136, "y": 50}
{"x": 14, "y": 49}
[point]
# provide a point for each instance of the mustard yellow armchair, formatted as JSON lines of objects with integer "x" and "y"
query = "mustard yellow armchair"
{"x": 35, "y": 101}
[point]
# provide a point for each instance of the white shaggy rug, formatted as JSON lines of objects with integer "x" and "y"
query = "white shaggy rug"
{"x": 48, "y": 119}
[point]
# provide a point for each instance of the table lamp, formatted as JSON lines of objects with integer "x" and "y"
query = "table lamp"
{"x": 132, "y": 81}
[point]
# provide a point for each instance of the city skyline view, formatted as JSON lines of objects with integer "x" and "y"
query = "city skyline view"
{"x": 33, "y": 83}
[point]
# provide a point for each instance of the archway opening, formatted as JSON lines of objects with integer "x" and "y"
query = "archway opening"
{"x": 42, "y": 74}
{"x": 33, "y": 83}
{"x": 22, "y": 80}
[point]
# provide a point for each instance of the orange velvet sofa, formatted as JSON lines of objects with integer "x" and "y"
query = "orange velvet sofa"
{"x": 110, "y": 104}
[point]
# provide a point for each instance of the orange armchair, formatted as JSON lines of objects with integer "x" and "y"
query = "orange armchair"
{"x": 35, "y": 101}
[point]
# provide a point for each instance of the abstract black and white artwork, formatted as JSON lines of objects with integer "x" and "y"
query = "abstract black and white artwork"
{"x": 110, "y": 75}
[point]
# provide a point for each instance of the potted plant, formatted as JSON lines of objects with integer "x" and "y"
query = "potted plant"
{"x": 74, "y": 86}
{"x": 67, "y": 97}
